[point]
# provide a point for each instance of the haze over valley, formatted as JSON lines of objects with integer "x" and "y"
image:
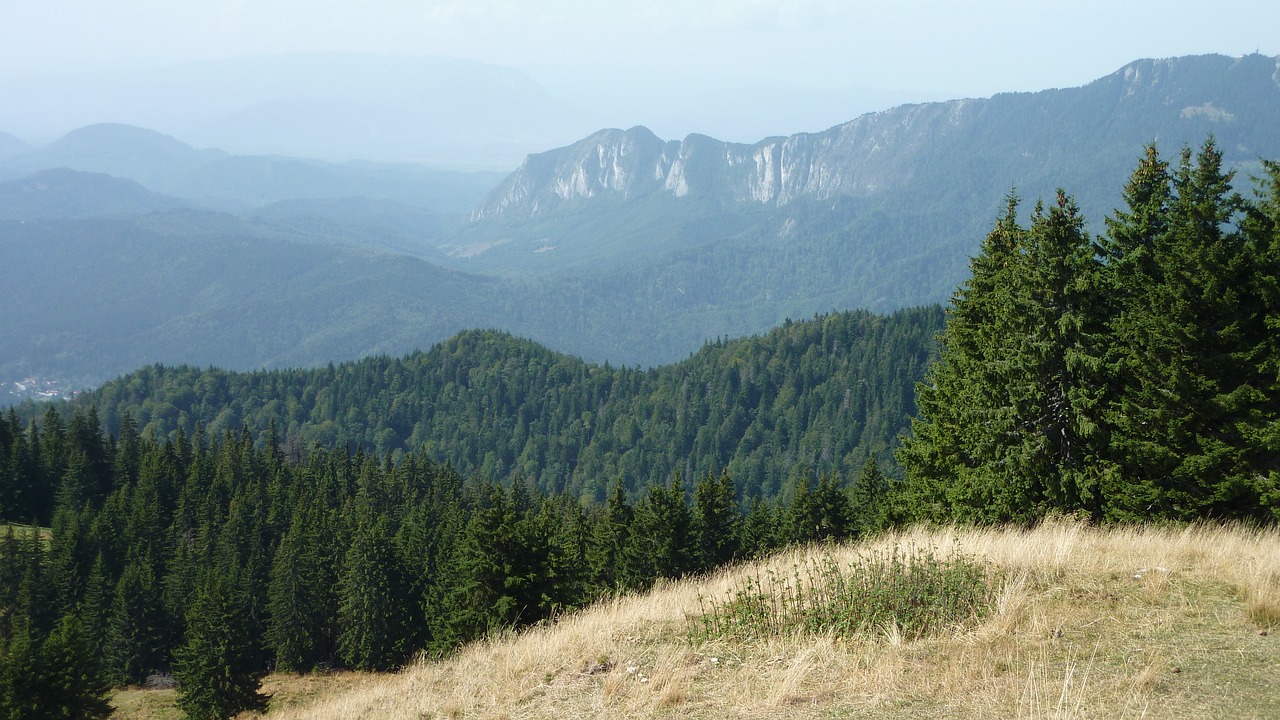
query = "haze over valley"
{"x": 738, "y": 358}
{"x": 620, "y": 246}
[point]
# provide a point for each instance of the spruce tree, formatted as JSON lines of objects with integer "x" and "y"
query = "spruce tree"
{"x": 1261, "y": 228}
{"x": 136, "y": 636}
{"x": 216, "y": 667}
{"x": 301, "y": 596}
{"x": 374, "y": 603}
{"x": 955, "y": 455}
{"x": 71, "y": 683}
{"x": 1188, "y": 389}
{"x": 870, "y": 499}
{"x": 715, "y": 521}
{"x": 609, "y": 540}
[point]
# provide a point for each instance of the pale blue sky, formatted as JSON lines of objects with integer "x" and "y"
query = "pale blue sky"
{"x": 940, "y": 47}
{"x": 735, "y": 69}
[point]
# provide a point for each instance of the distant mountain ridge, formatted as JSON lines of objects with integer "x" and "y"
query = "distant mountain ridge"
{"x": 621, "y": 247}
{"x": 881, "y": 212}
{"x": 10, "y": 146}
{"x": 1173, "y": 101}
{"x": 336, "y": 106}
{"x": 63, "y": 193}
{"x": 166, "y": 165}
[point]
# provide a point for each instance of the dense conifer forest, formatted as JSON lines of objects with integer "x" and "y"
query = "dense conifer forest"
{"x": 211, "y": 526}
{"x": 216, "y": 558}
{"x": 821, "y": 394}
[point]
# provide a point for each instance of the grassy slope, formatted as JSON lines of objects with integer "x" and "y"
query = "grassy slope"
{"x": 1123, "y": 623}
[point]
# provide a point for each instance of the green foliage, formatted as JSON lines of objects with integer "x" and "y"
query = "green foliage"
{"x": 1125, "y": 380}
{"x": 215, "y": 668}
{"x": 48, "y": 675}
{"x": 372, "y": 609}
{"x": 911, "y": 592}
{"x": 824, "y": 393}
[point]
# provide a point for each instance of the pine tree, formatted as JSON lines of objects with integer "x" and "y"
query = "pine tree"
{"x": 955, "y": 454}
{"x": 609, "y": 540}
{"x": 758, "y": 533}
{"x": 302, "y": 603}
{"x": 1188, "y": 389}
{"x": 216, "y": 667}
{"x": 374, "y": 602}
{"x": 660, "y": 544}
{"x": 136, "y": 637}
{"x": 715, "y": 521}
{"x": 1261, "y": 228}
{"x": 19, "y": 673}
{"x": 870, "y": 499}
{"x": 71, "y": 683}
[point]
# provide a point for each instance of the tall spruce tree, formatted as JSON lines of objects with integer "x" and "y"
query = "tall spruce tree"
{"x": 1011, "y": 417}
{"x": 1187, "y": 389}
{"x": 373, "y": 600}
{"x": 715, "y": 521}
{"x": 955, "y": 457}
{"x": 217, "y": 667}
{"x": 1261, "y": 227}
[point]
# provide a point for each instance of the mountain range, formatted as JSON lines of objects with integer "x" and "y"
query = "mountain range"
{"x": 622, "y": 246}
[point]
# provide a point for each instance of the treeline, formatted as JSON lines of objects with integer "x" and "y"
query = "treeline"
{"x": 1125, "y": 377}
{"x": 823, "y": 393}
{"x": 216, "y": 557}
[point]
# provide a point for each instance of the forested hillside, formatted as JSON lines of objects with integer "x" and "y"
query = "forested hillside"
{"x": 821, "y": 394}
{"x": 215, "y": 557}
{"x": 354, "y": 515}
{"x": 621, "y": 247}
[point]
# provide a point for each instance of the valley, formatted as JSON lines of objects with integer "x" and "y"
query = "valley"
{"x": 965, "y": 408}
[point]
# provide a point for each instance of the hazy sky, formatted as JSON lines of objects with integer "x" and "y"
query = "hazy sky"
{"x": 942, "y": 47}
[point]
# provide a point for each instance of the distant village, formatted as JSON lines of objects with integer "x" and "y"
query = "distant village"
{"x": 34, "y": 388}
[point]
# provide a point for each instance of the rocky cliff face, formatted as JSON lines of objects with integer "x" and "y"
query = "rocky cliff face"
{"x": 1178, "y": 100}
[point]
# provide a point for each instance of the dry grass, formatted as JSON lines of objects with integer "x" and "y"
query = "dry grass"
{"x": 287, "y": 691}
{"x": 1117, "y": 623}
{"x": 23, "y": 531}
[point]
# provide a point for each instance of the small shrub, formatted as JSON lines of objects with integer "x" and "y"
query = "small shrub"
{"x": 915, "y": 592}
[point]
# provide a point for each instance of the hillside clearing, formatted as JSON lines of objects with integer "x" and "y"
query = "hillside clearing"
{"x": 1129, "y": 622}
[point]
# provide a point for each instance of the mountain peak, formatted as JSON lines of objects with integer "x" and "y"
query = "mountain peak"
{"x": 1174, "y": 99}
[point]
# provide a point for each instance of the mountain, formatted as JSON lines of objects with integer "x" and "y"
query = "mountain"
{"x": 505, "y": 407}
{"x": 167, "y": 165}
{"x": 152, "y": 159}
{"x": 90, "y": 298}
{"x": 896, "y": 199}
{"x": 63, "y": 193}
{"x": 10, "y": 146}
{"x": 439, "y": 111}
{"x": 622, "y": 247}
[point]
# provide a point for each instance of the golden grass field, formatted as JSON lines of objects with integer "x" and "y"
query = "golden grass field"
{"x": 1132, "y": 622}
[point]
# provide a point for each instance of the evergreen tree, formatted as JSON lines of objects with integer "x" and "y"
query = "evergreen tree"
{"x": 70, "y": 683}
{"x": 374, "y": 601}
{"x": 660, "y": 542}
{"x": 302, "y": 603}
{"x": 1011, "y": 417}
{"x": 758, "y": 532}
{"x": 1189, "y": 387}
{"x": 821, "y": 512}
{"x": 1261, "y": 228}
{"x": 715, "y": 521}
{"x": 19, "y": 673}
{"x": 216, "y": 667}
{"x": 954, "y": 456}
{"x": 870, "y": 499}
{"x": 607, "y": 554}
{"x": 136, "y": 637}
